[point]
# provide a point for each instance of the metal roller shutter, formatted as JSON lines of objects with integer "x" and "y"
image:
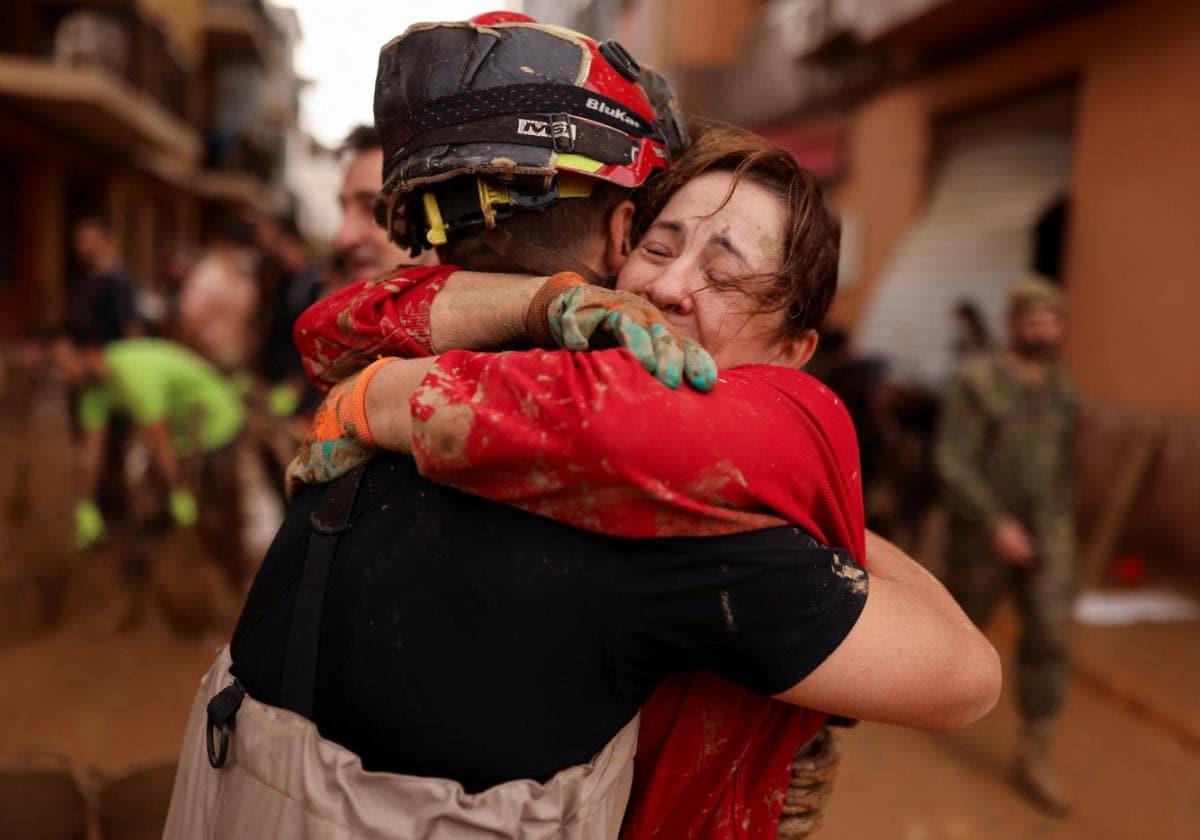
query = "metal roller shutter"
{"x": 974, "y": 240}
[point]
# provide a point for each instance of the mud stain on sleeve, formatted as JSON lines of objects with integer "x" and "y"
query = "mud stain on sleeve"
{"x": 446, "y": 426}
{"x": 713, "y": 719}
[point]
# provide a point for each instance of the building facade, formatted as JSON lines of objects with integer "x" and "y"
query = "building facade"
{"x": 964, "y": 142}
{"x": 157, "y": 114}
{"x": 1026, "y": 115}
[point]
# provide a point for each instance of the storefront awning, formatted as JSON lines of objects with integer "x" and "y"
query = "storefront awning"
{"x": 974, "y": 240}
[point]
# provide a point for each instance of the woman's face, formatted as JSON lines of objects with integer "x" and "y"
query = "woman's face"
{"x": 698, "y": 263}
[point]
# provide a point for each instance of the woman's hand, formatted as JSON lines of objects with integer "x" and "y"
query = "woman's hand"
{"x": 1013, "y": 544}
{"x": 480, "y": 311}
{"x": 578, "y": 316}
{"x": 363, "y": 413}
{"x": 339, "y": 438}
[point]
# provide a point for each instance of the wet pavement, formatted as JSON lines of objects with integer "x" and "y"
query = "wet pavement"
{"x": 120, "y": 702}
{"x": 1154, "y": 669}
{"x": 1130, "y": 778}
{"x": 109, "y": 703}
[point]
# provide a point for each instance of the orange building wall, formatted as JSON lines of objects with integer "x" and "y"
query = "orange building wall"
{"x": 888, "y": 147}
{"x": 1134, "y": 248}
{"x": 707, "y": 33}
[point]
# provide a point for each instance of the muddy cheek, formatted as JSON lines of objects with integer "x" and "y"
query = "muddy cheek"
{"x": 771, "y": 249}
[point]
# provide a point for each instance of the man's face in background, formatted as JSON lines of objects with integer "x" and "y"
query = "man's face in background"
{"x": 363, "y": 246}
{"x": 91, "y": 244}
{"x": 1037, "y": 332}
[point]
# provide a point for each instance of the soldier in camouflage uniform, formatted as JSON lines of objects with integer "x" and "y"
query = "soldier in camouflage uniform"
{"x": 1004, "y": 453}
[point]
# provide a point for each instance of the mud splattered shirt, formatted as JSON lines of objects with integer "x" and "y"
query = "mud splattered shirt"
{"x": 591, "y": 440}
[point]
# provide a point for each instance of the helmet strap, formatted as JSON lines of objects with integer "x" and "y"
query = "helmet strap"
{"x": 534, "y": 258}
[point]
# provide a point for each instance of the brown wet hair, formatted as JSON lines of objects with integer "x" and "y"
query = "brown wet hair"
{"x": 804, "y": 286}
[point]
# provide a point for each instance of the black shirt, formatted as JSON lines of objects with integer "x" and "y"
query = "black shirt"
{"x": 102, "y": 307}
{"x": 469, "y": 640}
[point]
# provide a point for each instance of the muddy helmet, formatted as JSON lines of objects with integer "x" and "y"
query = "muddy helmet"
{"x": 536, "y": 113}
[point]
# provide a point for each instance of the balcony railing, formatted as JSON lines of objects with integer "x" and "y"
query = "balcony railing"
{"x": 111, "y": 35}
{"x": 239, "y": 27}
{"x": 254, "y": 155}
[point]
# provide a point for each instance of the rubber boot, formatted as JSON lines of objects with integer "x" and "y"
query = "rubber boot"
{"x": 1033, "y": 773}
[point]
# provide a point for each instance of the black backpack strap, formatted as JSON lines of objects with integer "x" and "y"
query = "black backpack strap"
{"x": 330, "y": 520}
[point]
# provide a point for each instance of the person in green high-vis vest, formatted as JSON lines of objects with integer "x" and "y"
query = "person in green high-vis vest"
{"x": 185, "y": 410}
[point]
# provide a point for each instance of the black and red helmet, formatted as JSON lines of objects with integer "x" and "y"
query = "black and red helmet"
{"x": 517, "y": 103}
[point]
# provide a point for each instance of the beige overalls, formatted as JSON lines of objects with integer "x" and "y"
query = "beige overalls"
{"x": 283, "y": 780}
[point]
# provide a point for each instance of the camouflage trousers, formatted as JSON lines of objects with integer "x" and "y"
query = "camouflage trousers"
{"x": 1044, "y": 596}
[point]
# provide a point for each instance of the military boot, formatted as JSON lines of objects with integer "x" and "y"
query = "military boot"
{"x": 1033, "y": 773}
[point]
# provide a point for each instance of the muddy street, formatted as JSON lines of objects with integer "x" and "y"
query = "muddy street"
{"x": 119, "y": 703}
{"x": 101, "y": 653}
{"x": 1129, "y": 777}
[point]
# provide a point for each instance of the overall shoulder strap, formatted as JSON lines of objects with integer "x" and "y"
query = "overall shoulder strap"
{"x": 276, "y": 577}
{"x": 329, "y": 520}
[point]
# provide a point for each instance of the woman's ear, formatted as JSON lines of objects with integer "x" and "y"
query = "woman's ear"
{"x": 620, "y": 229}
{"x": 796, "y": 352}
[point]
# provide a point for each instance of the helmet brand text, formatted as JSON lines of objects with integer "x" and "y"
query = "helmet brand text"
{"x": 609, "y": 111}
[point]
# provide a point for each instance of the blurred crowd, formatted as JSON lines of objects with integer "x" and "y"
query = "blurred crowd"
{"x": 198, "y": 365}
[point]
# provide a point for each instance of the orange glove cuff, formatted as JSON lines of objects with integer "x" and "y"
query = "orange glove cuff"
{"x": 537, "y": 323}
{"x": 358, "y": 400}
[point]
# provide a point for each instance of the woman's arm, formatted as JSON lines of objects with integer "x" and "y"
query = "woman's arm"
{"x": 480, "y": 311}
{"x": 417, "y": 312}
{"x": 912, "y": 659}
{"x": 412, "y": 313}
{"x": 590, "y": 440}
{"x": 345, "y": 331}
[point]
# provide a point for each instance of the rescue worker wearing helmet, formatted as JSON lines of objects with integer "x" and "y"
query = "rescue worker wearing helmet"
{"x": 485, "y": 663}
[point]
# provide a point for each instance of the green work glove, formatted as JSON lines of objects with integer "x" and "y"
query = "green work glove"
{"x": 89, "y": 524}
{"x": 580, "y": 313}
{"x": 283, "y": 400}
{"x": 182, "y": 505}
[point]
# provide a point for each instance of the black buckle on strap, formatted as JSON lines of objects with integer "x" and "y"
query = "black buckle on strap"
{"x": 222, "y": 712}
{"x": 332, "y": 516}
{"x": 562, "y": 131}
